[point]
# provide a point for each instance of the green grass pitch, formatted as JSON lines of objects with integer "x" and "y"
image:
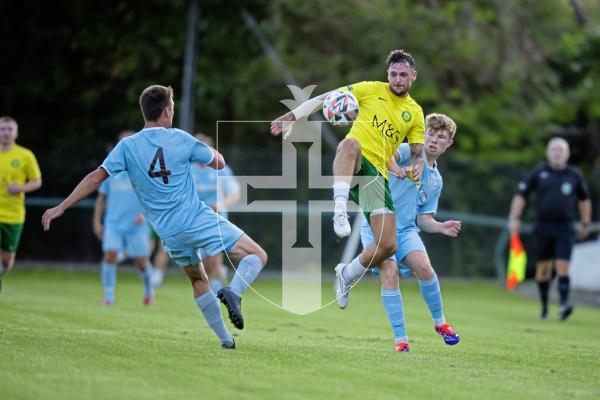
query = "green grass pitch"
{"x": 58, "y": 342}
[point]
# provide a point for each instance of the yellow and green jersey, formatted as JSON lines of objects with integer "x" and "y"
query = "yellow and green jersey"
{"x": 18, "y": 165}
{"x": 383, "y": 121}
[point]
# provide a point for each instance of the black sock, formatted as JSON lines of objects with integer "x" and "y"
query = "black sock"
{"x": 543, "y": 286}
{"x": 564, "y": 284}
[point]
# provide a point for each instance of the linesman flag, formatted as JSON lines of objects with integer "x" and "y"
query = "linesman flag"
{"x": 517, "y": 262}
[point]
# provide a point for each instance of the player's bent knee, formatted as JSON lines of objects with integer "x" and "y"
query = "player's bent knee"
{"x": 264, "y": 257}
{"x": 387, "y": 248}
{"x": 195, "y": 274}
{"x": 424, "y": 272}
{"x": 349, "y": 146}
{"x": 422, "y": 267}
{"x": 260, "y": 253}
{"x": 141, "y": 263}
{"x": 110, "y": 257}
{"x": 389, "y": 275}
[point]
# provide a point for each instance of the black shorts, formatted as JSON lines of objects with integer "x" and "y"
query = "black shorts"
{"x": 553, "y": 241}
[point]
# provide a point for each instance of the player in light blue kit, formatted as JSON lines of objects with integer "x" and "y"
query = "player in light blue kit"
{"x": 158, "y": 160}
{"x": 218, "y": 189}
{"x": 410, "y": 216}
{"x": 120, "y": 225}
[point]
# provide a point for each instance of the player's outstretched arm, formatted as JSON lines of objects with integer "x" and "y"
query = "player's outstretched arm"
{"x": 428, "y": 224}
{"x": 284, "y": 123}
{"x": 88, "y": 185}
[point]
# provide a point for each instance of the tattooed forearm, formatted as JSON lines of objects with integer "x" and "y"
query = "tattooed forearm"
{"x": 416, "y": 151}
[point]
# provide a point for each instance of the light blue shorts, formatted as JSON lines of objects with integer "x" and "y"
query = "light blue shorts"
{"x": 135, "y": 244}
{"x": 408, "y": 241}
{"x": 210, "y": 235}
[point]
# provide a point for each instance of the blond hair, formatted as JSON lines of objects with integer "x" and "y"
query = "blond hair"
{"x": 438, "y": 122}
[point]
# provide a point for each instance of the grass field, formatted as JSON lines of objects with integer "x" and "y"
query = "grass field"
{"x": 58, "y": 342}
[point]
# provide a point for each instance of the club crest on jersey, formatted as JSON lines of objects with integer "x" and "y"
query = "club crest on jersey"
{"x": 422, "y": 195}
{"x": 544, "y": 174}
{"x": 406, "y": 116}
{"x": 15, "y": 163}
{"x": 566, "y": 188}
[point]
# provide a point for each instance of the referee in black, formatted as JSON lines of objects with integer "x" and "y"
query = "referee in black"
{"x": 560, "y": 188}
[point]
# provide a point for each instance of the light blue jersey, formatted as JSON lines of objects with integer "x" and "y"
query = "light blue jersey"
{"x": 410, "y": 200}
{"x": 122, "y": 205}
{"x": 158, "y": 163}
{"x": 213, "y": 185}
{"x": 404, "y": 192}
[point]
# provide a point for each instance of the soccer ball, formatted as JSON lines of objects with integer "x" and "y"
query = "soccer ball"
{"x": 340, "y": 108}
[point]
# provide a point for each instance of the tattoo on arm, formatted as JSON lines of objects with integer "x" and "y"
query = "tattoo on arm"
{"x": 416, "y": 150}
{"x": 288, "y": 117}
{"x": 322, "y": 99}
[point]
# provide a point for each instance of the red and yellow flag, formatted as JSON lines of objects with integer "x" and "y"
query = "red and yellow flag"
{"x": 517, "y": 262}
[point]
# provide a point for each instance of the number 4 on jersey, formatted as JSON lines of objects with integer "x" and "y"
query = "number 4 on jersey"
{"x": 163, "y": 172}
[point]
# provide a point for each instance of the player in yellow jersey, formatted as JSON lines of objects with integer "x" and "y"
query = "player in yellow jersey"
{"x": 387, "y": 115}
{"x": 19, "y": 174}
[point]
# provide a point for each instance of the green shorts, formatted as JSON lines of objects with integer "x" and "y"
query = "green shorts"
{"x": 10, "y": 235}
{"x": 154, "y": 235}
{"x": 374, "y": 197}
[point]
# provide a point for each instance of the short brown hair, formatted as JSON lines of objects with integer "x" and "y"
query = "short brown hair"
{"x": 6, "y": 118}
{"x": 400, "y": 56}
{"x": 438, "y": 122}
{"x": 153, "y": 101}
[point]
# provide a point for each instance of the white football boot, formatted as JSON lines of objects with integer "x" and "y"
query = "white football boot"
{"x": 342, "y": 288}
{"x": 341, "y": 222}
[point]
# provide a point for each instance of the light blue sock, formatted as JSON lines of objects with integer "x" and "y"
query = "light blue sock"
{"x": 108, "y": 274}
{"x": 431, "y": 293}
{"x": 146, "y": 277}
{"x": 216, "y": 285}
{"x": 392, "y": 302}
{"x": 209, "y": 306}
{"x": 246, "y": 273}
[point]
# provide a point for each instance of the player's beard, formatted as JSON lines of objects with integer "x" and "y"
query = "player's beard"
{"x": 399, "y": 91}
